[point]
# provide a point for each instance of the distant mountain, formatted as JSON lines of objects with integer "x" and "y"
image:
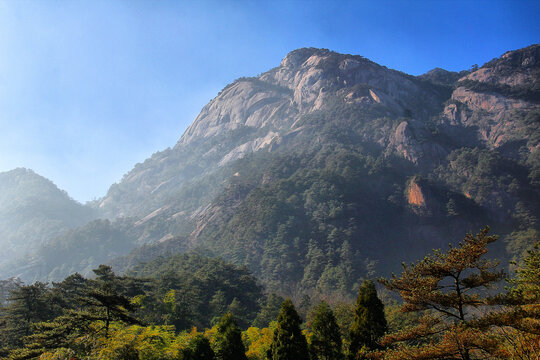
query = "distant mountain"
{"x": 32, "y": 211}
{"x": 330, "y": 167}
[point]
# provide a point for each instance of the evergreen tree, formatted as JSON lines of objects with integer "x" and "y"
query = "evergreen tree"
{"x": 28, "y": 304}
{"x": 518, "y": 325}
{"x": 288, "y": 342}
{"x": 66, "y": 294}
{"x": 448, "y": 288}
{"x": 199, "y": 349}
{"x": 177, "y": 309}
{"x": 105, "y": 302}
{"x": 369, "y": 322}
{"x": 61, "y": 332}
{"x": 326, "y": 338}
{"x": 269, "y": 312}
{"x": 228, "y": 342}
{"x": 86, "y": 301}
{"x": 239, "y": 313}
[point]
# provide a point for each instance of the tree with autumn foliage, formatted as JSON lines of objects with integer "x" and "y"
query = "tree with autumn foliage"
{"x": 449, "y": 289}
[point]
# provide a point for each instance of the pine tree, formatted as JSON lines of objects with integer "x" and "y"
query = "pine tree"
{"x": 28, "y": 304}
{"x": 66, "y": 294}
{"x": 106, "y": 302}
{"x": 326, "y": 338}
{"x": 288, "y": 341}
{"x": 228, "y": 342}
{"x": 369, "y": 323}
{"x": 448, "y": 288}
{"x": 101, "y": 300}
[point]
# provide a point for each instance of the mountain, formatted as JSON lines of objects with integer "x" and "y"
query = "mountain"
{"x": 266, "y": 112}
{"x": 33, "y": 210}
{"x": 330, "y": 168}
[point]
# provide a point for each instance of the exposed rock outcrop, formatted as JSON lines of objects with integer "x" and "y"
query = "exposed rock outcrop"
{"x": 491, "y": 101}
{"x": 415, "y": 195}
{"x": 414, "y": 142}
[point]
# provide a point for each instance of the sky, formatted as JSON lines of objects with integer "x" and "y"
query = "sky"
{"x": 90, "y": 88}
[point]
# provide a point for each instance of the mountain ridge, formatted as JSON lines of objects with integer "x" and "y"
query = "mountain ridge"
{"x": 297, "y": 171}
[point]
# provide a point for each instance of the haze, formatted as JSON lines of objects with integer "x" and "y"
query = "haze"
{"x": 87, "y": 89}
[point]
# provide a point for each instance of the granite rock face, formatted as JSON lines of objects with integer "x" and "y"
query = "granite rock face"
{"x": 414, "y": 141}
{"x": 304, "y": 82}
{"x": 437, "y": 112}
{"x": 490, "y": 101}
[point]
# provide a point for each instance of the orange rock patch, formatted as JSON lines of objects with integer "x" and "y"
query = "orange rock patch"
{"x": 415, "y": 196}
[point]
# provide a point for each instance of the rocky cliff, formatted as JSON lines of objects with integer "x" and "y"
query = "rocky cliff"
{"x": 493, "y": 101}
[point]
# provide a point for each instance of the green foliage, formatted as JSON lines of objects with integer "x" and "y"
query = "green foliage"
{"x": 369, "y": 323}
{"x": 134, "y": 343}
{"x": 344, "y": 313}
{"x": 269, "y": 311}
{"x": 27, "y": 304}
{"x": 519, "y": 242}
{"x": 299, "y": 220}
{"x": 78, "y": 250}
{"x": 105, "y": 301}
{"x": 526, "y": 284}
{"x": 479, "y": 173}
{"x": 325, "y": 338}
{"x": 228, "y": 340}
{"x": 192, "y": 290}
{"x": 288, "y": 341}
{"x": 198, "y": 349}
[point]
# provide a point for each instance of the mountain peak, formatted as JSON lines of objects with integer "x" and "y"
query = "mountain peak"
{"x": 517, "y": 68}
{"x": 442, "y": 76}
{"x": 297, "y": 57}
{"x": 320, "y": 57}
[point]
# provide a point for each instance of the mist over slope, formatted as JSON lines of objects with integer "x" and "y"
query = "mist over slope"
{"x": 33, "y": 210}
{"x": 325, "y": 169}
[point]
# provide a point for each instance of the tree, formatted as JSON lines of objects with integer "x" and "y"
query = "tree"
{"x": 66, "y": 294}
{"x": 86, "y": 302}
{"x": 61, "y": 332}
{"x": 448, "y": 289}
{"x": 27, "y": 304}
{"x": 238, "y": 311}
{"x": 288, "y": 341}
{"x": 105, "y": 302}
{"x": 199, "y": 349}
{"x": 369, "y": 323}
{"x": 269, "y": 312}
{"x": 326, "y": 337}
{"x": 228, "y": 341}
{"x": 518, "y": 324}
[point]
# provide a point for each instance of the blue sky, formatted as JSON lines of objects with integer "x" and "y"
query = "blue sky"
{"x": 89, "y": 88}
